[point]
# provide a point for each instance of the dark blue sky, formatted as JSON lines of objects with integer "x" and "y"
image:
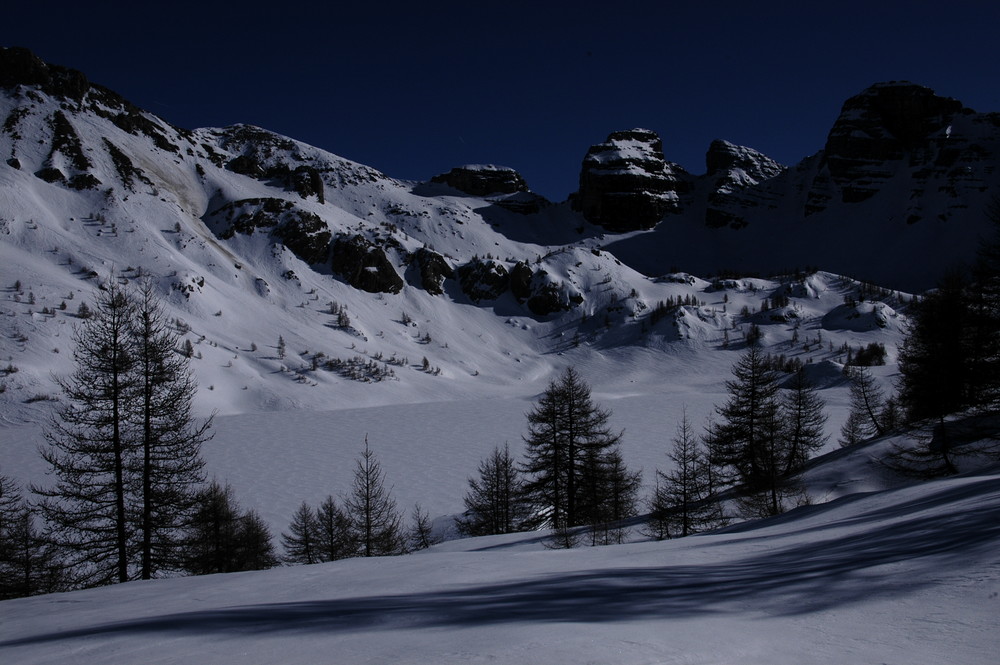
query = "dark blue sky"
{"x": 416, "y": 88}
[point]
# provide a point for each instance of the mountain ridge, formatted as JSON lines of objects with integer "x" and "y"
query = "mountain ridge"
{"x": 366, "y": 276}
{"x": 902, "y": 168}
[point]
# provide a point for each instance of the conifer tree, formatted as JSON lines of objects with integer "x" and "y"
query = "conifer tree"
{"x": 301, "y": 543}
{"x": 805, "y": 420}
{"x": 658, "y": 526}
{"x": 495, "y": 502}
{"x": 254, "y": 545}
{"x": 171, "y": 441}
{"x": 853, "y": 430}
{"x": 10, "y": 507}
{"x": 125, "y": 449}
{"x": 682, "y": 502}
{"x": 867, "y": 403}
{"x": 334, "y": 537}
{"x": 547, "y": 457}
{"x": 983, "y": 333}
{"x": 756, "y": 444}
{"x": 28, "y": 565}
{"x": 224, "y": 539}
{"x": 91, "y": 451}
{"x": 935, "y": 361}
{"x": 742, "y": 440}
{"x": 617, "y": 490}
{"x": 211, "y": 540}
{"x": 375, "y": 521}
{"x": 568, "y": 444}
{"x": 421, "y": 533}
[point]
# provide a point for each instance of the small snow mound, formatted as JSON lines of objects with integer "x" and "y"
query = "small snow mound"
{"x": 862, "y": 317}
{"x": 825, "y": 374}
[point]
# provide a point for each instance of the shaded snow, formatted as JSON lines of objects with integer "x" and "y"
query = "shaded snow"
{"x": 903, "y": 575}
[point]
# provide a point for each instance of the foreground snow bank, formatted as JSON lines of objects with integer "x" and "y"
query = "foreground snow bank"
{"x": 903, "y": 575}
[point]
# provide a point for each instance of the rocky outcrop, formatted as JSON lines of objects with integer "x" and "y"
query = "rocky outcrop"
{"x": 738, "y": 164}
{"x": 520, "y": 281}
{"x": 542, "y": 294}
{"x": 735, "y": 172}
{"x": 626, "y": 184}
{"x": 523, "y": 203}
{"x": 306, "y": 235}
{"x": 483, "y": 279}
{"x": 433, "y": 270}
{"x": 483, "y": 179}
{"x": 886, "y": 124}
{"x": 306, "y": 181}
{"x": 549, "y": 296}
{"x": 938, "y": 153}
{"x": 365, "y": 266}
{"x": 259, "y": 154}
{"x": 19, "y": 66}
{"x": 303, "y": 232}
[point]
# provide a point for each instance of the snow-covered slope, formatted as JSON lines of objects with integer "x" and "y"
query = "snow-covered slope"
{"x": 906, "y": 574}
{"x": 253, "y": 237}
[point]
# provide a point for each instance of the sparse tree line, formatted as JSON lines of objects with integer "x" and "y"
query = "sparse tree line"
{"x": 574, "y": 481}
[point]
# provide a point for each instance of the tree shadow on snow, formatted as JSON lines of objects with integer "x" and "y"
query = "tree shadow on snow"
{"x": 814, "y": 576}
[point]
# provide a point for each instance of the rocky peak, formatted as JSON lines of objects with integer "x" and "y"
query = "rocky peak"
{"x": 898, "y": 110}
{"x": 19, "y": 66}
{"x": 735, "y": 172}
{"x": 887, "y": 122}
{"x": 626, "y": 184}
{"x": 483, "y": 179}
{"x": 724, "y": 157}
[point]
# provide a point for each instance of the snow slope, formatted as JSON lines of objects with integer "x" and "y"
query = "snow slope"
{"x": 902, "y": 575}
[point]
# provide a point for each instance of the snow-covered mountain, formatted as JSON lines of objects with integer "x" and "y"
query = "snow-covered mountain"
{"x": 427, "y": 317}
{"x": 897, "y": 195}
{"x": 252, "y": 236}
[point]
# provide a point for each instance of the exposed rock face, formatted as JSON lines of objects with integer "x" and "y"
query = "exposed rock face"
{"x": 301, "y": 231}
{"x": 365, "y": 266}
{"x": 306, "y": 235}
{"x": 433, "y": 270}
{"x": 306, "y": 181}
{"x": 542, "y": 294}
{"x": 732, "y": 161}
{"x": 483, "y": 279}
{"x": 888, "y": 123}
{"x": 735, "y": 172}
{"x": 626, "y": 184}
{"x": 523, "y": 203}
{"x": 128, "y": 173}
{"x": 19, "y": 66}
{"x": 483, "y": 179}
{"x": 520, "y": 281}
{"x": 259, "y": 153}
{"x": 549, "y": 296}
